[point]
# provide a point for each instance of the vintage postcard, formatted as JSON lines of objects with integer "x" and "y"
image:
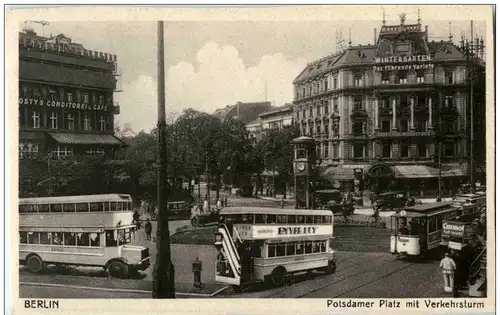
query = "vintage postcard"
{"x": 314, "y": 158}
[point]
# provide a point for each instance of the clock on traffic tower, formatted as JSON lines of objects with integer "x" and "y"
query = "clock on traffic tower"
{"x": 303, "y": 168}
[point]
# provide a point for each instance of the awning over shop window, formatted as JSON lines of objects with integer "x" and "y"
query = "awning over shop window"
{"x": 336, "y": 173}
{"x": 86, "y": 139}
{"x": 423, "y": 171}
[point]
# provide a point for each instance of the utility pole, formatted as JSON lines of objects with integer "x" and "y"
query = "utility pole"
{"x": 208, "y": 179}
{"x": 163, "y": 270}
{"x": 471, "y": 95}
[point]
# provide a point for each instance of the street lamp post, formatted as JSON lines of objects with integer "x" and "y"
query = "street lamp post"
{"x": 163, "y": 271}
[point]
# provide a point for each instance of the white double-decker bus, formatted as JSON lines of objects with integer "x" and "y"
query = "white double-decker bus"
{"x": 268, "y": 244}
{"x": 92, "y": 230}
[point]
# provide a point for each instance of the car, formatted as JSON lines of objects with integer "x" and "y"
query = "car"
{"x": 390, "y": 200}
{"x": 203, "y": 219}
{"x": 331, "y": 199}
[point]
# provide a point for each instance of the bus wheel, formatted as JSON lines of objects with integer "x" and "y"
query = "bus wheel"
{"x": 34, "y": 263}
{"x": 118, "y": 269}
{"x": 330, "y": 268}
{"x": 278, "y": 276}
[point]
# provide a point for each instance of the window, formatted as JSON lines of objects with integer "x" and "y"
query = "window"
{"x": 300, "y": 154}
{"x": 336, "y": 105}
{"x": 62, "y": 152}
{"x": 326, "y": 110}
{"x": 448, "y": 77}
{"x": 102, "y": 123}
{"x": 69, "y": 239}
{"x": 433, "y": 227}
{"x": 83, "y": 239}
{"x": 298, "y": 115}
{"x": 358, "y": 128}
{"x": 358, "y": 103}
{"x": 69, "y": 97}
{"x": 28, "y": 150}
{"x": 386, "y": 126}
{"x": 124, "y": 236}
{"x": 71, "y": 122}
{"x": 56, "y": 208}
{"x": 422, "y": 149}
{"x": 44, "y": 208}
{"x": 111, "y": 238}
{"x": 420, "y": 76}
{"x": 86, "y": 97}
{"x": 448, "y": 127}
{"x": 325, "y": 151}
{"x": 299, "y": 249}
{"x": 271, "y": 250}
{"x": 304, "y": 114}
{"x": 311, "y": 112}
{"x": 95, "y": 240}
{"x": 359, "y": 150}
{"x": 311, "y": 130}
{"x": 82, "y": 207}
{"x": 96, "y": 206}
{"x": 335, "y": 151}
{"x": 386, "y": 103}
{"x": 101, "y": 100}
{"x": 318, "y": 110}
{"x": 53, "y": 120}
{"x": 449, "y": 149}
{"x": 404, "y": 149}
{"x": 57, "y": 238}
{"x": 403, "y": 125}
{"x": 335, "y": 82}
{"x": 335, "y": 129}
{"x": 421, "y": 125}
{"x": 358, "y": 80}
{"x": 33, "y": 238}
{"x": 386, "y": 149}
{"x": 52, "y": 95}
{"x": 45, "y": 238}
{"x": 448, "y": 101}
{"x": 326, "y": 127}
{"x": 23, "y": 237}
{"x": 318, "y": 128}
{"x": 385, "y": 77}
{"x": 36, "y": 119}
{"x": 290, "y": 249}
{"x": 403, "y": 77}
{"x": 325, "y": 85}
{"x": 69, "y": 207}
{"x": 86, "y": 123}
{"x": 280, "y": 250}
{"x": 308, "y": 247}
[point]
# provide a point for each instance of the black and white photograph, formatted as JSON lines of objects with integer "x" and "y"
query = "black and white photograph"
{"x": 341, "y": 158}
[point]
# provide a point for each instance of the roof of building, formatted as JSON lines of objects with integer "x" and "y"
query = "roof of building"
{"x": 244, "y": 112}
{"x": 254, "y": 122}
{"x": 366, "y": 54}
{"x": 278, "y": 109}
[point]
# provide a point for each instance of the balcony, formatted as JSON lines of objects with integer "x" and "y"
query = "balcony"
{"x": 357, "y": 136}
{"x": 359, "y": 114}
{"x": 400, "y": 134}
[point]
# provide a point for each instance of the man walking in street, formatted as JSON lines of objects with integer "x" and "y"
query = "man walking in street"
{"x": 148, "y": 227}
{"x": 448, "y": 266}
{"x": 205, "y": 205}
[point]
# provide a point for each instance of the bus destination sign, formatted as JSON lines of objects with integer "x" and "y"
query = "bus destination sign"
{"x": 297, "y": 230}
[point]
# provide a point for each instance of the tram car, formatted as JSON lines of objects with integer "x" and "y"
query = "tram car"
{"x": 417, "y": 230}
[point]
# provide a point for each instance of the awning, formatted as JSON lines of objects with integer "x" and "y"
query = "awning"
{"x": 86, "y": 139}
{"x": 424, "y": 171}
{"x": 336, "y": 173}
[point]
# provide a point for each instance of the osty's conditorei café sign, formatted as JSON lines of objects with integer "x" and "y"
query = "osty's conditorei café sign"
{"x": 59, "y": 104}
{"x": 393, "y": 63}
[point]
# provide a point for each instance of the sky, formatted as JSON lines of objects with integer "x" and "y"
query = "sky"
{"x": 211, "y": 64}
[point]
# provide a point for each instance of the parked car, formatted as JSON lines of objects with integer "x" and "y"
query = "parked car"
{"x": 204, "y": 219}
{"x": 331, "y": 199}
{"x": 390, "y": 201}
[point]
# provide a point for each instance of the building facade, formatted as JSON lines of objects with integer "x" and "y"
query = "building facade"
{"x": 244, "y": 112}
{"x": 66, "y": 103}
{"x": 275, "y": 118}
{"x": 392, "y": 114}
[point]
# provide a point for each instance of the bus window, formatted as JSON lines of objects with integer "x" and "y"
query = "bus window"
{"x": 110, "y": 239}
{"x": 290, "y": 249}
{"x": 125, "y": 206}
{"x": 301, "y": 219}
{"x": 308, "y": 247}
{"x": 124, "y": 236}
{"x": 69, "y": 239}
{"x": 245, "y": 218}
{"x": 68, "y": 207}
{"x": 281, "y": 219}
{"x": 82, "y": 239}
{"x": 439, "y": 222}
{"x": 309, "y": 219}
{"x": 318, "y": 219}
{"x": 323, "y": 246}
{"x": 45, "y": 238}
{"x": 432, "y": 224}
{"x": 106, "y": 206}
{"x": 55, "y": 208}
{"x": 271, "y": 250}
{"x": 82, "y": 207}
{"x": 96, "y": 207}
{"x": 31, "y": 208}
{"x": 328, "y": 219}
{"x": 23, "y": 209}
{"x": 56, "y": 238}
{"x": 119, "y": 206}
{"x": 113, "y": 206}
{"x": 299, "y": 249}
{"x": 44, "y": 208}
{"x": 260, "y": 218}
{"x": 316, "y": 247}
{"x": 281, "y": 250}
{"x": 95, "y": 240}
{"x": 271, "y": 218}
{"x": 33, "y": 238}
{"x": 23, "y": 237}
{"x": 292, "y": 219}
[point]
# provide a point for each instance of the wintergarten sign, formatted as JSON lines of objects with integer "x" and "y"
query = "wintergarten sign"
{"x": 395, "y": 63}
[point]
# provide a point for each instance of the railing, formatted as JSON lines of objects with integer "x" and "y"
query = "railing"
{"x": 477, "y": 265}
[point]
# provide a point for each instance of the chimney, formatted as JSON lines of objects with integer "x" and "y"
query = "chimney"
{"x": 426, "y": 34}
{"x": 375, "y": 36}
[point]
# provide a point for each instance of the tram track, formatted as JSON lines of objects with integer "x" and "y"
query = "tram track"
{"x": 344, "y": 278}
{"x": 357, "y": 287}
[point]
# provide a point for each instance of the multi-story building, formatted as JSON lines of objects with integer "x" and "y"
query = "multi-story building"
{"x": 244, "y": 112}
{"x": 275, "y": 118}
{"x": 66, "y": 103}
{"x": 395, "y": 111}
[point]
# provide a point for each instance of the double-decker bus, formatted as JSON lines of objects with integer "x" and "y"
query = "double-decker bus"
{"x": 418, "y": 229}
{"x": 92, "y": 230}
{"x": 267, "y": 244}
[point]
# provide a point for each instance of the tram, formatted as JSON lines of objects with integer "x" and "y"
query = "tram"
{"x": 418, "y": 229}
{"x": 266, "y": 244}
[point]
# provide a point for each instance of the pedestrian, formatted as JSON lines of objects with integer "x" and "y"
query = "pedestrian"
{"x": 448, "y": 266}
{"x": 282, "y": 202}
{"x": 148, "y": 227}
{"x": 205, "y": 205}
{"x": 219, "y": 204}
